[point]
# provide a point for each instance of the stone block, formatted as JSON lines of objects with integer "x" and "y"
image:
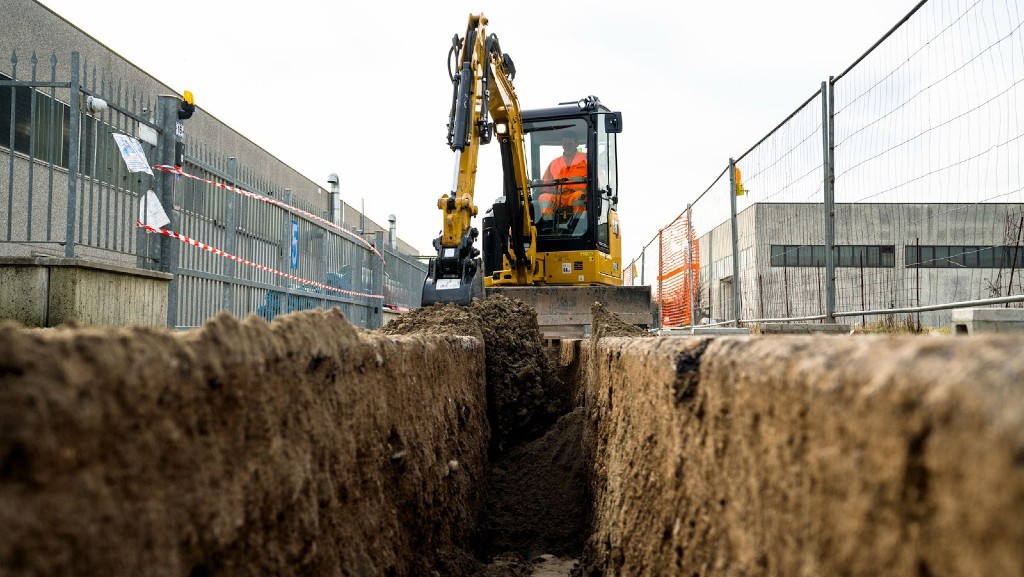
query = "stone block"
{"x": 23, "y": 294}
{"x": 987, "y": 320}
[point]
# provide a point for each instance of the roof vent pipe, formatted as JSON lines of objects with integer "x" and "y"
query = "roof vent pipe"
{"x": 392, "y": 237}
{"x": 337, "y": 207}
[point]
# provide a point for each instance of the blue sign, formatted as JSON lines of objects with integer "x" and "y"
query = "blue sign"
{"x": 295, "y": 244}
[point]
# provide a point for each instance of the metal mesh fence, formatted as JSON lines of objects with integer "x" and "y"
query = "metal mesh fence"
{"x": 66, "y": 160}
{"x": 712, "y": 231}
{"x": 928, "y": 131}
{"x": 782, "y": 177}
{"x": 68, "y": 192}
{"x": 339, "y": 267}
{"x": 902, "y": 174}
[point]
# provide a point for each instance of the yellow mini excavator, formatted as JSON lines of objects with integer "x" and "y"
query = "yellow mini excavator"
{"x": 552, "y": 240}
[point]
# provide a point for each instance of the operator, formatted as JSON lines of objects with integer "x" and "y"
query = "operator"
{"x": 569, "y": 198}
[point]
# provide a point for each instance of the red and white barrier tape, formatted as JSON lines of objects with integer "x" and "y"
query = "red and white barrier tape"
{"x": 239, "y": 259}
{"x": 253, "y": 195}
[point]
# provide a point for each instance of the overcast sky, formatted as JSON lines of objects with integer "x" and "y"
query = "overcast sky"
{"x": 362, "y": 89}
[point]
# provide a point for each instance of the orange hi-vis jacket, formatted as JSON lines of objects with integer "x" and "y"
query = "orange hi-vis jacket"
{"x": 569, "y": 195}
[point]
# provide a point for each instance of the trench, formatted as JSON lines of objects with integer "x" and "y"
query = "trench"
{"x": 453, "y": 445}
{"x": 536, "y": 501}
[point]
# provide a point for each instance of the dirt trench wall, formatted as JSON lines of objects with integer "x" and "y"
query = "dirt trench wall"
{"x": 897, "y": 456}
{"x": 305, "y": 447}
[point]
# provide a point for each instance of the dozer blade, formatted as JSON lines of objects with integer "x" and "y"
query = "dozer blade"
{"x": 563, "y": 312}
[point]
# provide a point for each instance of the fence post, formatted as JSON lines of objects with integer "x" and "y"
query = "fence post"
{"x": 325, "y": 247}
{"x": 689, "y": 263}
{"x": 643, "y": 265}
{"x": 167, "y": 119}
{"x": 828, "y": 135}
{"x": 284, "y": 262}
{"x": 74, "y": 152}
{"x": 661, "y": 267}
{"x": 736, "y": 304}
{"x": 376, "y": 319}
{"x": 230, "y": 237}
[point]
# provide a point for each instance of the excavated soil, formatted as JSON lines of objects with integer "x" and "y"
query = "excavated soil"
{"x": 524, "y": 394}
{"x": 304, "y": 447}
{"x": 309, "y": 447}
{"x": 301, "y": 447}
{"x": 605, "y": 323}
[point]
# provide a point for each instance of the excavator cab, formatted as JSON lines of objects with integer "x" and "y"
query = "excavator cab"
{"x": 573, "y": 192}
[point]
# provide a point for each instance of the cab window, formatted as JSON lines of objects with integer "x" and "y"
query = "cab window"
{"x": 607, "y": 181}
{"x": 560, "y": 176}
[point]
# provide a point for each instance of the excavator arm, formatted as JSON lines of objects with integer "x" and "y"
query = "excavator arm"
{"x": 484, "y": 105}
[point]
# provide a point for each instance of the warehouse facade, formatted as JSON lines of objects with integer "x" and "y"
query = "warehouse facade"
{"x": 887, "y": 256}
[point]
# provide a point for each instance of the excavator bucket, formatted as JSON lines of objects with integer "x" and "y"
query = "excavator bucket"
{"x": 563, "y": 312}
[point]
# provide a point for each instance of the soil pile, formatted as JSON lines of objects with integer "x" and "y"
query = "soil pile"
{"x": 605, "y": 323}
{"x": 436, "y": 319}
{"x": 524, "y": 394}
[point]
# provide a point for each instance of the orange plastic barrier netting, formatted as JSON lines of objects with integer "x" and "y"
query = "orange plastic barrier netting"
{"x": 674, "y": 272}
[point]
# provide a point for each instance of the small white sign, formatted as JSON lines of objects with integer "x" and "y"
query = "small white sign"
{"x": 148, "y": 134}
{"x": 447, "y": 283}
{"x": 151, "y": 212}
{"x": 132, "y": 153}
{"x": 566, "y": 268}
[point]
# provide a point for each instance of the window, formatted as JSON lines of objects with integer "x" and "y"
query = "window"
{"x": 43, "y": 124}
{"x": 954, "y": 256}
{"x": 868, "y": 256}
{"x": 723, "y": 267}
{"x": 50, "y": 120}
{"x": 607, "y": 181}
{"x": 562, "y": 201}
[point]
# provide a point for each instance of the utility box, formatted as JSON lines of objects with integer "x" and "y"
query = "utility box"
{"x": 987, "y": 320}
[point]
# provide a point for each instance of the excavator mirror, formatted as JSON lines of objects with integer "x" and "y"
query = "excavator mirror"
{"x": 613, "y": 122}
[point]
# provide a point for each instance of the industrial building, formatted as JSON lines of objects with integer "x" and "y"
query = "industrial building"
{"x": 887, "y": 256}
{"x": 66, "y": 193}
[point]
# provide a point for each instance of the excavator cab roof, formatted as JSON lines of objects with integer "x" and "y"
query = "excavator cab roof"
{"x": 583, "y": 108}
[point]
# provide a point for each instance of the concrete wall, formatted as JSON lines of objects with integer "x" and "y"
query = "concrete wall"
{"x": 807, "y": 456}
{"x": 45, "y": 292}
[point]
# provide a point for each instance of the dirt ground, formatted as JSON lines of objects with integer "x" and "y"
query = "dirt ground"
{"x": 301, "y": 447}
{"x": 309, "y": 447}
{"x": 808, "y": 455}
{"x": 605, "y": 323}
